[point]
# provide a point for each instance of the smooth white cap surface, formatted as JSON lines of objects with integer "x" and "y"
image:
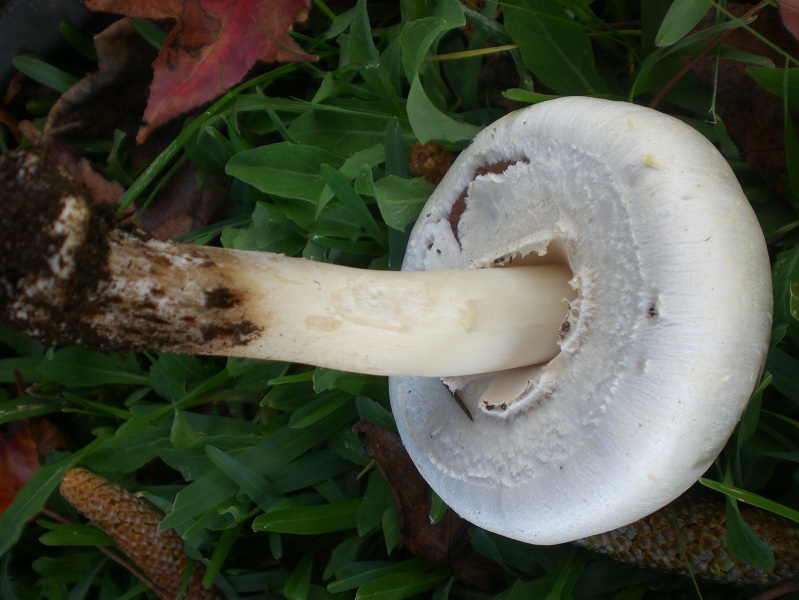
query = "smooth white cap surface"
{"x": 665, "y": 342}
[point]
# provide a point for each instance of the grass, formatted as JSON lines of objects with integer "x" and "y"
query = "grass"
{"x": 256, "y": 465}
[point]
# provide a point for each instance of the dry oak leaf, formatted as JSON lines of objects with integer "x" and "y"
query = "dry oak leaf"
{"x": 212, "y": 46}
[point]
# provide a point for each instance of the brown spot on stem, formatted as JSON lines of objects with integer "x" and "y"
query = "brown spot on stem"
{"x": 221, "y": 297}
{"x": 236, "y": 333}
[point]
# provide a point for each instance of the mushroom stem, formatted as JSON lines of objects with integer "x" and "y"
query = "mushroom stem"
{"x": 118, "y": 290}
{"x": 209, "y": 300}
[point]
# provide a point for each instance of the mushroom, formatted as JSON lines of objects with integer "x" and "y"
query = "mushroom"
{"x": 588, "y": 281}
{"x": 663, "y": 344}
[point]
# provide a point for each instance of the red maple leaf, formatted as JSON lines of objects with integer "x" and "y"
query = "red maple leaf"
{"x": 212, "y": 46}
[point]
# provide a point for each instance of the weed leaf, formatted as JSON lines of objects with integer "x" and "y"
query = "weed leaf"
{"x": 744, "y": 543}
{"x": 554, "y": 47}
{"x": 430, "y": 123}
{"x": 682, "y": 17}
{"x": 310, "y": 520}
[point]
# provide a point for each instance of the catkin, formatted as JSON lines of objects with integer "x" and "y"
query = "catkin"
{"x": 689, "y": 537}
{"x": 133, "y": 525}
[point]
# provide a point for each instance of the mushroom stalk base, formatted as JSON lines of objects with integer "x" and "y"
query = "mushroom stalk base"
{"x": 77, "y": 280}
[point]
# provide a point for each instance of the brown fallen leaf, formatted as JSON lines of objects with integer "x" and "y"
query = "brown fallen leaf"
{"x": 21, "y": 445}
{"x": 212, "y": 46}
{"x": 101, "y": 189}
{"x": 789, "y": 12}
{"x": 18, "y": 461}
{"x": 448, "y": 540}
{"x": 114, "y": 96}
{"x": 183, "y": 206}
{"x": 133, "y": 525}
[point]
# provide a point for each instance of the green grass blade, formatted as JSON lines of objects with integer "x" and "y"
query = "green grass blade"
{"x": 402, "y": 585}
{"x": 79, "y": 41}
{"x": 163, "y": 160}
{"x": 43, "y": 72}
{"x": 310, "y": 520}
{"x": 284, "y": 169}
{"x": 682, "y": 17}
{"x": 353, "y": 203}
{"x": 430, "y": 123}
{"x": 317, "y": 409}
{"x": 258, "y": 489}
{"x": 554, "y": 47}
{"x": 355, "y": 574}
{"x": 744, "y": 543}
{"x": 752, "y": 498}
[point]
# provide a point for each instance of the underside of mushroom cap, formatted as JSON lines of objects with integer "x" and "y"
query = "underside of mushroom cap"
{"x": 663, "y": 345}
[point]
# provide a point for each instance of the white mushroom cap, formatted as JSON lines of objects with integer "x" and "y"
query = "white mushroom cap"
{"x": 665, "y": 342}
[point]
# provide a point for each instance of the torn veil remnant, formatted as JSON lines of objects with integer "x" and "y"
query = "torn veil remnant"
{"x": 591, "y": 409}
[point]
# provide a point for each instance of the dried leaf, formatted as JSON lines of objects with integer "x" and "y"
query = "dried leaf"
{"x": 789, "y": 11}
{"x": 114, "y": 96}
{"x": 212, "y": 46}
{"x": 182, "y": 206}
{"x": 133, "y": 525}
{"x": 101, "y": 189}
{"x": 18, "y": 461}
{"x": 446, "y": 540}
{"x": 46, "y": 436}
